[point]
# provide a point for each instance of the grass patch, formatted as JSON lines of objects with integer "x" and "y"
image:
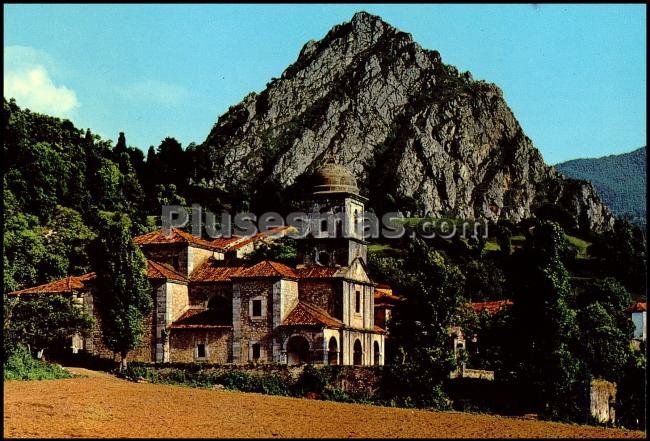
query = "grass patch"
{"x": 379, "y": 247}
{"x": 579, "y": 244}
{"x": 20, "y": 365}
{"x": 437, "y": 222}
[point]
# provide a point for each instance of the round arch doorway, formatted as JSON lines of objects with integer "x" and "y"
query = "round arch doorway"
{"x": 297, "y": 350}
{"x": 376, "y": 354}
{"x": 357, "y": 353}
{"x": 333, "y": 351}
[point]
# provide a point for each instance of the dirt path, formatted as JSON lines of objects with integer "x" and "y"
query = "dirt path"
{"x": 104, "y": 406}
{"x": 87, "y": 372}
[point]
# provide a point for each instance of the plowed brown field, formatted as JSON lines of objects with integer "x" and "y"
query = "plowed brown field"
{"x": 104, "y": 406}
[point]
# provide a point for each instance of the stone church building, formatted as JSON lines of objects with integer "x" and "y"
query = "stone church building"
{"x": 210, "y": 305}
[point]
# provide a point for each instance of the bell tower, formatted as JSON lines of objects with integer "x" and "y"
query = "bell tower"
{"x": 336, "y": 213}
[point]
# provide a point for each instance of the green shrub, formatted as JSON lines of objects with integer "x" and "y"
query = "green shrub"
{"x": 135, "y": 371}
{"x": 273, "y": 384}
{"x": 335, "y": 394}
{"x": 411, "y": 386}
{"x": 311, "y": 380}
{"x": 20, "y": 365}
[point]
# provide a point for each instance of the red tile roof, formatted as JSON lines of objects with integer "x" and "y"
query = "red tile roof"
{"x": 227, "y": 242}
{"x": 176, "y": 236}
{"x": 198, "y": 319}
{"x": 317, "y": 272}
{"x": 305, "y": 314}
{"x": 637, "y": 307}
{"x": 267, "y": 268}
{"x": 158, "y": 271}
{"x": 236, "y": 242}
{"x": 379, "y": 329}
{"x": 384, "y": 293}
{"x": 65, "y": 285}
{"x": 213, "y": 270}
{"x": 491, "y": 307}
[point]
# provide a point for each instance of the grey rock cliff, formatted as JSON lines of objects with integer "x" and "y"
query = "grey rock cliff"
{"x": 407, "y": 125}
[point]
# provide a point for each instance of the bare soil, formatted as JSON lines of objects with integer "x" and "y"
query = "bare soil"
{"x": 100, "y": 405}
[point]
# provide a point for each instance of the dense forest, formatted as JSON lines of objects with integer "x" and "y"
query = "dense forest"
{"x": 619, "y": 179}
{"x": 64, "y": 187}
{"x": 59, "y": 182}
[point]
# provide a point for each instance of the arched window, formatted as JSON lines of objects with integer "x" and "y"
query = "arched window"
{"x": 357, "y": 219}
{"x": 377, "y": 354}
{"x": 322, "y": 258}
{"x": 358, "y": 353}
{"x": 333, "y": 352}
{"x": 220, "y": 309}
{"x": 297, "y": 350}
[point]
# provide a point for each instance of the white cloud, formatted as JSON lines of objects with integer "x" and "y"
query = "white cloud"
{"x": 153, "y": 91}
{"x": 27, "y": 79}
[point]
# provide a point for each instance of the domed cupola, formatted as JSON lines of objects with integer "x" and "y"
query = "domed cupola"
{"x": 332, "y": 178}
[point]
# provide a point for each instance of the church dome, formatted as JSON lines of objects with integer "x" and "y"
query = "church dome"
{"x": 334, "y": 178}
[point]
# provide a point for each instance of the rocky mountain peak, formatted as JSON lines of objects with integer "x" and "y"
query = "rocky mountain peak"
{"x": 418, "y": 134}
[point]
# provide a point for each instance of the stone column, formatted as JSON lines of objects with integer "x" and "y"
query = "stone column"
{"x": 236, "y": 323}
{"x": 163, "y": 318}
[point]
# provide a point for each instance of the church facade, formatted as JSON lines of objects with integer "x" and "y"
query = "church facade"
{"x": 212, "y": 306}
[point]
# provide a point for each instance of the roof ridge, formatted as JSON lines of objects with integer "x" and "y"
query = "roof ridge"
{"x": 157, "y": 267}
{"x": 63, "y": 284}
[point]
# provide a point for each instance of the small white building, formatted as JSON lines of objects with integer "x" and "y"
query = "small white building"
{"x": 638, "y": 311}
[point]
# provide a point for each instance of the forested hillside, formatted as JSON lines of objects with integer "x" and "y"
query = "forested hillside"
{"x": 620, "y": 180}
{"x": 59, "y": 180}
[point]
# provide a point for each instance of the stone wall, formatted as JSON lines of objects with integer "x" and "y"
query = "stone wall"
{"x": 201, "y": 293}
{"x": 145, "y": 351}
{"x": 602, "y": 396}
{"x": 354, "y": 380}
{"x": 365, "y": 319}
{"x": 246, "y": 329}
{"x": 218, "y": 342}
{"x": 95, "y": 345}
{"x": 325, "y": 294}
{"x": 196, "y": 256}
{"x": 171, "y": 254}
{"x": 179, "y": 298}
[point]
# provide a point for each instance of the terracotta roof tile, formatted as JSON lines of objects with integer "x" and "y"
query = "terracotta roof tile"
{"x": 198, "y": 319}
{"x": 65, "y": 285}
{"x": 267, "y": 268}
{"x": 317, "y": 272}
{"x": 638, "y": 307}
{"x": 491, "y": 307}
{"x": 305, "y": 314}
{"x": 237, "y": 242}
{"x": 227, "y": 242}
{"x": 176, "y": 236}
{"x": 213, "y": 270}
{"x": 157, "y": 271}
{"x": 384, "y": 293}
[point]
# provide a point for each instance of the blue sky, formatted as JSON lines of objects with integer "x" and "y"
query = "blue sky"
{"x": 574, "y": 75}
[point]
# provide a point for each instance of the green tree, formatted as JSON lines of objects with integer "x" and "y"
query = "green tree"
{"x": 542, "y": 347}
{"x": 631, "y": 394}
{"x": 504, "y": 239}
{"x": 485, "y": 280}
{"x": 23, "y": 248}
{"x": 66, "y": 240}
{"x": 124, "y": 295}
{"x": 45, "y": 321}
{"x": 280, "y": 250}
{"x": 421, "y": 323}
{"x": 605, "y": 347}
{"x": 622, "y": 253}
